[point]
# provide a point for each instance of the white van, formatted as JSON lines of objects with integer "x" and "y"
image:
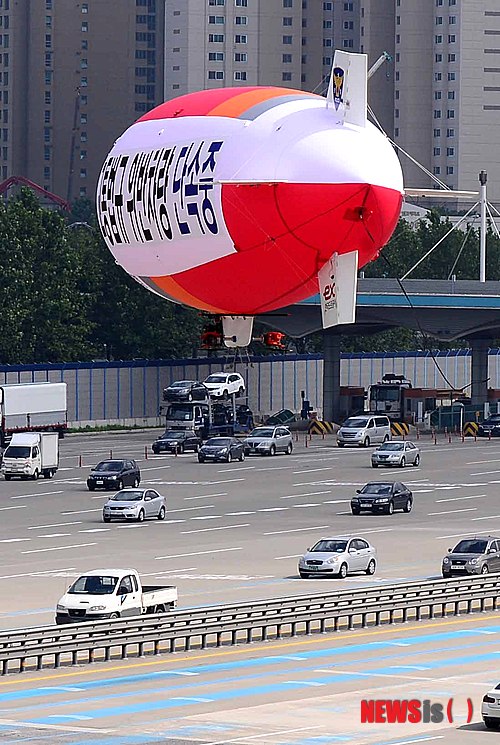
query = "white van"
{"x": 364, "y": 430}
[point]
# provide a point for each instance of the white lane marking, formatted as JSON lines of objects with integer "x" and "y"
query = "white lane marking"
{"x": 453, "y": 512}
{"x": 54, "y": 525}
{"x": 101, "y": 496}
{"x": 154, "y": 468}
{"x": 209, "y": 530}
{"x": 457, "y": 535}
{"x": 239, "y": 468}
{"x": 38, "y": 494}
{"x": 483, "y": 473}
{"x": 171, "y": 522}
{"x": 409, "y": 667}
{"x": 58, "y": 548}
{"x": 293, "y": 556}
{"x": 275, "y": 468}
{"x": 479, "y": 462}
{"x": 206, "y": 517}
{"x": 14, "y": 540}
{"x": 190, "y": 509}
{"x": 336, "y": 501}
{"x": 14, "y": 507}
{"x": 54, "y": 535}
{"x": 273, "y": 509}
{"x": 55, "y": 572}
{"x": 207, "y": 496}
{"x": 237, "y": 514}
{"x": 312, "y": 470}
{"x": 95, "y": 530}
{"x": 200, "y": 553}
{"x": 310, "y": 504}
{"x": 160, "y": 574}
{"x": 192, "y": 698}
{"x": 313, "y": 683}
{"x": 76, "y": 717}
{"x": 422, "y": 491}
{"x": 297, "y": 530}
{"x": 308, "y": 494}
{"x": 60, "y": 688}
{"x": 458, "y": 499}
{"x": 485, "y": 517}
{"x": 268, "y": 735}
{"x": 81, "y": 512}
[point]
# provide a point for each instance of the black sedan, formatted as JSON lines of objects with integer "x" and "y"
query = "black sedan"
{"x": 382, "y": 496}
{"x": 185, "y": 390}
{"x": 490, "y": 426}
{"x": 173, "y": 441}
{"x": 114, "y": 474}
{"x": 221, "y": 449}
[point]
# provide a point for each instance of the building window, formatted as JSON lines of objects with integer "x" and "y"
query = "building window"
{"x": 83, "y": 136}
{"x": 437, "y": 133}
{"x": 438, "y": 57}
{"x": 452, "y": 20}
{"x": 46, "y": 152}
{"x": 287, "y": 39}
{"x": 241, "y": 20}
{"x": 240, "y": 75}
{"x": 216, "y": 75}
{"x": 48, "y": 59}
{"x": 450, "y": 170}
{"x": 83, "y": 118}
{"x": 286, "y": 77}
{"x": 288, "y": 3}
{"x": 438, "y": 39}
{"x": 451, "y": 95}
{"x": 85, "y": 44}
{"x": 396, "y": 113}
{"x": 83, "y": 191}
{"x": 450, "y": 151}
{"x": 83, "y": 82}
{"x": 396, "y": 131}
{"x": 450, "y": 114}
{"x": 85, "y": 8}
{"x": 348, "y": 25}
{"x": 328, "y": 6}
{"x": 84, "y": 63}
{"x": 327, "y": 61}
{"x": 216, "y": 20}
{"x": 349, "y": 7}
{"x": 327, "y": 24}
{"x": 437, "y": 95}
{"x": 436, "y": 151}
{"x": 452, "y": 2}
{"x": 241, "y": 3}
{"x": 328, "y": 42}
{"x": 396, "y": 76}
{"x": 450, "y": 132}
{"x": 176, "y": 87}
{"x": 287, "y": 21}
{"x": 215, "y": 57}
{"x": 46, "y": 116}
{"x": 437, "y": 114}
{"x": 286, "y": 59}
{"x": 175, "y": 31}
{"x": 176, "y": 68}
{"x": 438, "y": 76}
{"x": 451, "y": 38}
{"x": 48, "y": 21}
{"x": 439, "y": 20}
{"x": 48, "y": 77}
{"x": 48, "y": 41}
{"x": 452, "y": 58}
{"x": 240, "y": 39}
{"x": 218, "y": 38}
{"x": 83, "y": 173}
{"x": 47, "y": 133}
{"x": 46, "y": 173}
{"x": 83, "y": 154}
{"x": 348, "y": 43}
{"x": 216, "y": 2}
{"x": 436, "y": 170}
{"x": 48, "y": 97}
{"x": 85, "y": 27}
{"x": 240, "y": 57}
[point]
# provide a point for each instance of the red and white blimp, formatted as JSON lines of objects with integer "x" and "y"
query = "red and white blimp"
{"x": 238, "y": 201}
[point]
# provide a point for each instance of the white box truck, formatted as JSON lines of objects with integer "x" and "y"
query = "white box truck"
{"x": 113, "y": 593}
{"x": 30, "y": 455}
{"x": 25, "y": 407}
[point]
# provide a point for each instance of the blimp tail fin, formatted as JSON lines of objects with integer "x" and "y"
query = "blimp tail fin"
{"x": 347, "y": 92}
{"x": 237, "y": 330}
{"x": 338, "y": 281}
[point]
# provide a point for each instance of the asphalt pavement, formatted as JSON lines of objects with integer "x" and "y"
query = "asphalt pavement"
{"x": 233, "y": 533}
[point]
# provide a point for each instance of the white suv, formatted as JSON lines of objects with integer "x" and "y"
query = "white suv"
{"x": 222, "y": 385}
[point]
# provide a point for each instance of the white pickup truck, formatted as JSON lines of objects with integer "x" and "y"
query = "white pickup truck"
{"x": 112, "y": 593}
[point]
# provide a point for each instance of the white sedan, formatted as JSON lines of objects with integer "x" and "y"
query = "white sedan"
{"x": 490, "y": 708}
{"x": 396, "y": 453}
{"x": 223, "y": 385}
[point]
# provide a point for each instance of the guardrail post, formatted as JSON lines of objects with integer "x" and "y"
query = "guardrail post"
{"x": 305, "y": 441}
{"x": 110, "y": 454}
{"x": 80, "y": 461}
{"x": 145, "y": 452}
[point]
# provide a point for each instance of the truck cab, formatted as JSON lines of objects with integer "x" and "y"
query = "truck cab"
{"x": 31, "y": 455}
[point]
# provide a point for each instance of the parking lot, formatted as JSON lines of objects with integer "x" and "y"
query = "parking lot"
{"x": 234, "y": 531}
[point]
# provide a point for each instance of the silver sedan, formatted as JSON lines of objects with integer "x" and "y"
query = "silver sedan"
{"x": 135, "y": 504}
{"x": 338, "y": 557}
{"x": 396, "y": 453}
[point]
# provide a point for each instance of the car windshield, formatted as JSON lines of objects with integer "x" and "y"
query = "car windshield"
{"x": 17, "y": 451}
{"x": 470, "y": 546}
{"x": 172, "y": 434}
{"x": 218, "y": 441}
{"x": 127, "y": 496}
{"x": 93, "y": 585}
{"x": 262, "y": 432}
{"x": 330, "y": 547}
{"x": 495, "y": 419}
{"x": 216, "y": 379}
{"x": 181, "y": 384}
{"x": 180, "y": 412}
{"x": 355, "y": 423}
{"x": 109, "y": 465}
{"x": 376, "y": 489}
{"x": 392, "y": 446}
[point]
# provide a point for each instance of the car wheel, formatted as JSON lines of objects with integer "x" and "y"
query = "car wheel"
{"x": 241, "y": 391}
{"x": 201, "y": 459}
{"x": 196, "y": 448}
{"x": 417, "y": 461}
{"x": 403, "y": 462}
{"x": 7, "y": 477}
{"x": 272, "y": 450}
{"x": 374, "y": 465}
{"x": 304, "y": 575}
{"x": 340, "y": 444}
{"x": 242, "y": 456}
{"x": 120, "y": 485}
{"x": 370, "y": 569}
{"x": 366, "y": 442}
{"x": 491, "y": 723}
{"x": 136, "y": 483}
{"x": 156, "y": 451}
{"x": 180, "y": 449}
{"x": 225, "y": 395}
{"x": 485, "y": 569}
{"x": 289, "y": 449}
{"x": 355, "y": 510}
{"x": 229, "y": 457}
{"x": 106, "y": 519}
{"x": 35, "y": 475}
{"x": 161, "y": 514}
{"x": 140, "y": 516}
{"x": 408, "y": 505}
{"x": 342, "y": 573}
{"x": 390, "y": 508}
{"x": 90, "y": 487}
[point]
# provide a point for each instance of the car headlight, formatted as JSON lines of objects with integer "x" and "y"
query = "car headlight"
{"x": 60, "y": 607}
{"x": 333, "y": 560}
{"x": 113, "y": 477}
{"x": 355, "y": 500}
{"x": 264, "y": 445}
{"x": 446, "y": 560}
{"x": 472, "y": 561}
{"x": 382, "y": 500}
{"x": 224, "y": 450}
{"x": 97, "y": 607}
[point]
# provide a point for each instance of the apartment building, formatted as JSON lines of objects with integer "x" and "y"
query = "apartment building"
{"x": 73, "y": 76}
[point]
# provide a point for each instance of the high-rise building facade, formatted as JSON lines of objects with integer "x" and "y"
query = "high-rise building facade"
{"x": 73, "y": 76}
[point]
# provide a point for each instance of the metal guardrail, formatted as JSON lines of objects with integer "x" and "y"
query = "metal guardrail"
{"x": 216, "y": 626}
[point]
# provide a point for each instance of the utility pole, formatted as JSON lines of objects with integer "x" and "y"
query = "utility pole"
{"x": 483, "y": 177}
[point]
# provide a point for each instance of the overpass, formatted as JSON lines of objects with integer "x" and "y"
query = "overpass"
{"x": 443, "y": 309}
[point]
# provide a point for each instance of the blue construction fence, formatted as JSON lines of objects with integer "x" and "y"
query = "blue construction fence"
{"x": 131, "y": 391}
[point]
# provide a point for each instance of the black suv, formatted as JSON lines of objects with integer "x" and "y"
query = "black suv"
{"x": 114, "y": 474}
{"x": 490, "y": 426}
{"x": 178, "y": 441}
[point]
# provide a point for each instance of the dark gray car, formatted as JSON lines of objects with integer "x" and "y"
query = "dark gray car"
{"x": 477, "y": 555}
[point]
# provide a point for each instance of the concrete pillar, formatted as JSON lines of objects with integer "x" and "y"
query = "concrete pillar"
{"x": 331, "y": 376}
{"x": 479, "y": 372}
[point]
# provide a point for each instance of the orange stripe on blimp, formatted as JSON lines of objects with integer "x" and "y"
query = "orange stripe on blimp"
{"x": 235, "y": 106}
{"x": 173, "y": 288}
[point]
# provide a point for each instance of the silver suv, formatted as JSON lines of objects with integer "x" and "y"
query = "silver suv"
{"x": 477, "y": 555}
{"x": 269, "y": 441}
